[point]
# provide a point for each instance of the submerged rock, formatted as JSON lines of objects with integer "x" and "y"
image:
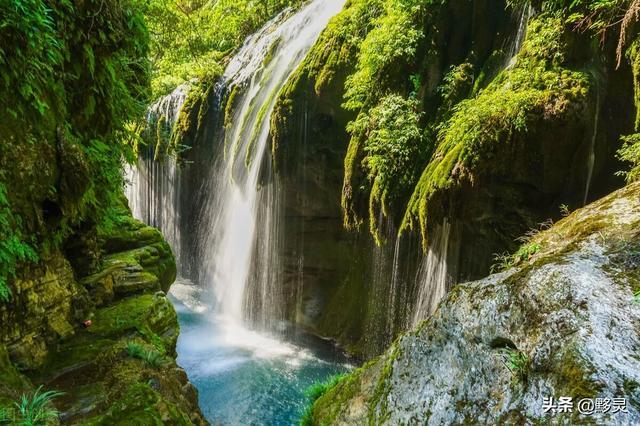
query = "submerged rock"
{"x": 564, "y": 323}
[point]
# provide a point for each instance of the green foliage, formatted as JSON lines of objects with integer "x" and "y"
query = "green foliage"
{"x": 387, "y": 140}
{"x": 342, "y": 40}
{"x": 630, "y": 152}
{"x": 456, "y": 85}
{"x": 390, "y": 137}
{"x": 506, "y": 260}
{"x": 35, "y": 410}
{"x": 82, "y": 74}
{"x": 537, "y": 87}
{"x": 318, "y": 389}
{"x": 191, "y": 38}
{"x": 29, "y": 52}
{"x": 391, "y": 45}
{"x": 516, "y": 361}
{"x": 314, "y": 392}
{"x": 150, "y": 356}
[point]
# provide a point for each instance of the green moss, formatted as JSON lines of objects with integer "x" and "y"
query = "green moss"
{"x": 390, "y": 137}
{"x": 146, "y": 314}
{"x": 230, "y": 105}
{"x": 328, "y": 407}
{"x": 378, "y": 410}
{"x": 141, "y": 404}
{"x": 573, "y": 378}
{"x": 82, "y": 350}
{"x": 537, "y": 88}
{"x": 316, "y": 391}
{"x": 12, "y": 383}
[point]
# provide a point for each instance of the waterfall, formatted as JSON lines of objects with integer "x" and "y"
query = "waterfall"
{"x": 516, "y": 44}
{"x": 153, "y": 187}
{"x": 433, "y": 275}
{"x": 591, "y": 159}
{"x": 240, "y": 232}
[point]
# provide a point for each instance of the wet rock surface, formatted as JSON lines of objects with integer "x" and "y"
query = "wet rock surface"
{"x": 562, "y": 324}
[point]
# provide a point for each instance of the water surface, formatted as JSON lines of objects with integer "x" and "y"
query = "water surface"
{"x": 243, "y": 377}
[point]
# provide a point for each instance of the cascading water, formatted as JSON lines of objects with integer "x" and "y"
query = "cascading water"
{"x": 433, "y": 276}
{"x": 231, "y": 227}
{"x": 241, "y": 233}
{"x": 516, "y": 44}
{"x": 591, "y": 158}
{"x": 153, "y": 187}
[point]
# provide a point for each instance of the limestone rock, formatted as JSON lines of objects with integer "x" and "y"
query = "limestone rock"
{"x": 563, "y": 324}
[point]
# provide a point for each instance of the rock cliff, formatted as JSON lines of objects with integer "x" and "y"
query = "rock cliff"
{"x": 119, "y": 369}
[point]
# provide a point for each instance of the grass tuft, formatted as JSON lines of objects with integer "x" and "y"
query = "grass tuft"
{"x": 150, "y": 356}
{"x": 32, "y": 410}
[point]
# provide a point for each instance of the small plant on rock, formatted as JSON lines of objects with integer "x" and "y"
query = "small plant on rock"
{"x": 150, "y": 356}
{"x": 516, "y": 361}
{"x": 314, "y": 392}
{"x": 36, "y": 410}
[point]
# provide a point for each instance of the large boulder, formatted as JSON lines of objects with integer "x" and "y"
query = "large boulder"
{"x": 562, "y": 323}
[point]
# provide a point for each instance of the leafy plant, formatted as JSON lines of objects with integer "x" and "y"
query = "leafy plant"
{"x": 314, "y": 392}
{"x": 191, "y": 39}
{"x": 4, "y": 415}
{"x": 150, "y": 356}
{"x": 36, "y": 410}
{"x": 630, "y": 152}
{"x": 516, "y": 361}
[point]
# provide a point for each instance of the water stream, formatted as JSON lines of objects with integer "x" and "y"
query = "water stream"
{"x": 433, "y": 276}
{"x": 516, "y": 44}
{"x": 591, "y": 157}
{"x": 242, "y": 232}
{"x": 244, "y": 377}
{"x": 248, "y": 364}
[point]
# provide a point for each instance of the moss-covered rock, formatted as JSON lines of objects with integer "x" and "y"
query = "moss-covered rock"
{"x": 46, "y": 335}
{"x": 493, "y": 114}
{"x": 562, "y": 323}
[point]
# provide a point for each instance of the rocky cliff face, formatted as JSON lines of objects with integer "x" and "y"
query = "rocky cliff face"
{"x": 121, "y": 367}
{"x": 507, "y": 102}
{"x": 564, "y": 323}
{"x": 82, "y": 285}
{"x": 446, "y": 144}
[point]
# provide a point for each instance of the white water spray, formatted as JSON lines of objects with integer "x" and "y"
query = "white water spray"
{"x": 242, "y": 228}
{"x": 153, "y": 187}
{"x": 516, "y": 45}
{"x": 591, "y": 159}
{"x": 433, "y": 275}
